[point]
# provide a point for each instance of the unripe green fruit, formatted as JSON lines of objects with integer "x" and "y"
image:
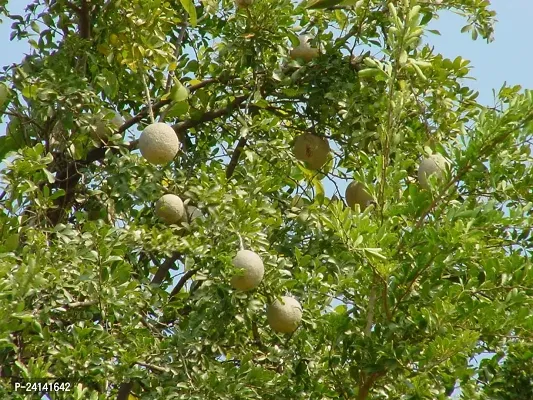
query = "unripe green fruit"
{"x": 284, "y": 316}
{"x": 434, "y": 164}
{"x": 4, "y": 93}
{"x": 304, "y": 50}
{"x": 170, "y": 208}
{"x": 356, "y": 194}
{"x": 159, "y": 143}
{"x": 252, "y": 270}
{"x": 311, "y": 149}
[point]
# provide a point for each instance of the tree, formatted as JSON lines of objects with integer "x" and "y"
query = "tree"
{"x": 397, "y": 299}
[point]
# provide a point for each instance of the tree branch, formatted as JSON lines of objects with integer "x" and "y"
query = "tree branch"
{"x": 230, "y": 169}
{"x": 210, "y": 115}
{"x": 183, "y": 280}
{"x": 124, "y": 390}
{"x": 152, "y": 367}
{"x": 366, "y": 385}
{"x": 257, "y": 337}
{"x": 164, "y": 268}
{"x": 84, "y": 24}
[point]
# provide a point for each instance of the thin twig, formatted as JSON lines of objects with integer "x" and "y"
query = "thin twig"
{"x": 79, "y": 304}
{"x": 152, "y": 367}
{"x": 179, "y": 43}
{"x": 417, "y": 275}
{"x": 370, "y": 310}
{"x": 147, "y": 95}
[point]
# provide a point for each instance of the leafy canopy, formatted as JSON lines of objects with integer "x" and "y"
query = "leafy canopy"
{"x": 397, "y": 300}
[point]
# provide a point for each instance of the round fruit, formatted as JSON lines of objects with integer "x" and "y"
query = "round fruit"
{"x": 312, "y": 149}
{"x": 159, "y": 143}
{"x": 304, "y": 50}
{"x": 3, "y": 94}
{"x": 252, "y": 270}
{"x": 356, "y": 194}
{"x": 434, "y": 164}
{"x": 243, "y": 3}
{"x": 284, "y": 316}
{"x": 170, "y": 208}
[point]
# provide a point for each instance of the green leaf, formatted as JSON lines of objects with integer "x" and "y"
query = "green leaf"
{"x": 321, "y": 4}
{"x": 12, "y": 242}
{"x": 24, "y": 316}
{"x": 428, "y": 16}
{"x": 49, "y": 176}
{"x": 7, "y": 145}
{"x": 376, "y": 252}
{"x": 30, "y": 92}
{"x": 369, "y": 72}
{"x": 35, "y": 27}
{"x": 403, "y": 57}
{"x": 177, "y": 110}
{"x": 188, "y": 5}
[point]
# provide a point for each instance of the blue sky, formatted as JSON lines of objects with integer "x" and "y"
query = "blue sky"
{"x": 503, "y": 60}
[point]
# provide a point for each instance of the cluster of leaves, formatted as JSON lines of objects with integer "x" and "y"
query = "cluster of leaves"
{"x": 397, "y": 300}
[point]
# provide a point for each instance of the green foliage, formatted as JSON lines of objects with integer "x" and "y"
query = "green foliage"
{"x": 397, "y": 300}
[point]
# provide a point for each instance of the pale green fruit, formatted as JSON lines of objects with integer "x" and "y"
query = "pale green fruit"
{"x": 434, "y": 164}
{"x": 284, "y": 316}
{"x": 356, "y": 194}
{"x": 159, "y": 143}
{"x": 251, "y": 270}
{"x": 4, "y": 93}
{"x": 311, "y": 149}
{"x": 304, "y": 50}
{"x": 170, "y": 208}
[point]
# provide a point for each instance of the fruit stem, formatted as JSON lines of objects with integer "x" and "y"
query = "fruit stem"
{"x": 241, "y": 243}
{"x": 147, "y": 94}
